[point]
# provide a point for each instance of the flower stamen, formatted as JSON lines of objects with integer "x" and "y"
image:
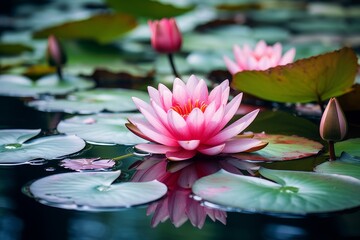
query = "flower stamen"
{"x": 186, "y": 109}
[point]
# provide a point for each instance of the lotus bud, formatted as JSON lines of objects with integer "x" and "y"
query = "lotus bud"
{"x": 55, "y": 53}
{"x": 333, "y": 126}
{"x": 166, "y": 38}
{"x": 165, "y": 35}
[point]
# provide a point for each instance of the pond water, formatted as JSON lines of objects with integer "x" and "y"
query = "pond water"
{"x": 114, "y": 60}
{"x": 24, "y": 218}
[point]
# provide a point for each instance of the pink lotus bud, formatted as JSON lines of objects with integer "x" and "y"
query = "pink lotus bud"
{"x": 165, "y": 35}
{"x": 333, "y": 126}
{"x": 55, "y": 53}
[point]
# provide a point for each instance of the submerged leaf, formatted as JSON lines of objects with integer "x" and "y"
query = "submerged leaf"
{"x": 104, "y": 128}
{"x": 292, "y": 192}
{"x": 346, "y": 165}
{"x": 103, "y": 28}
{"x": 15, "y": 149}
{"x": 311, "y": 79}
{"x": 281, "y": 148}
{"x": 93, "y": 191}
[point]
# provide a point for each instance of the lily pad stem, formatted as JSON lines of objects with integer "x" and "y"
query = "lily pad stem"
{"x": 123, "y": 156}
{"x": 332, "y": 151}
{"x": 321, "y": 104}
{"x": 59, "y": 72}
{"x": 171, "y": 60}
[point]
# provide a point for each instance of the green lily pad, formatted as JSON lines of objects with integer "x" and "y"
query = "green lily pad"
{"x": 314, "y": 45}
{"x": 276, "y": 16}
{"x": 205, "y": 61}
{"x": 282, "y": 148}
{"x": 290, "y": 192}
{"x": 103, "y": 28}
{"x": 214, "y": 42}
{"x": 16, "y": 149}
{"x": 104, "y": 128}
{"x": 11, "y": 49}
{"x": 92, "y": 101}
{"x": 94, "y": 191}
{"x": 163, "y": 66}
{"x": 147, "y": 8}
{"x": 350, "y": 146}
{"x": 345, "y": 165}
{"x": 20, "y": 86}
{"x": 320, "y": 25}
{"x": 86, "y": 56}
{"x": 312, "y": 79}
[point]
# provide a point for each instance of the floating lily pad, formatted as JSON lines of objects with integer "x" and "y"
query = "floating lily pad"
{"x": 11, "y": 49}
{"x": 312, "y": 79}
{"x": 20, "y": 86}
{"x": 103, "y": 28}
{"x": 276, "y": 16}
{"x": 206, "y": 41}
{"x": 282, "y": 148}
{"x": 16, "y": 149}
{"x": 92, "y": 101}
{"x": 345, "y": 165}
{"x": 163, "y": 66}
{"x": 93, "y": 191}
{"x": 205, "y": 61}
{"x": 290, "y": 192}
{"x": 350, "y": 146}
{"x": 322, "y": 25}
{"x": 105, "y": 128}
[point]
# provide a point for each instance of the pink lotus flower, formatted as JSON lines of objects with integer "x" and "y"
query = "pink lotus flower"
{"x": 261, "y": 58}
{"x": 190, "y": 120}
{"x": 165, "y": 35}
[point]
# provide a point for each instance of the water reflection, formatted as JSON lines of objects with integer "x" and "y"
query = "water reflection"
{"x": 10, "y": 226}
{"x": 177, "y": 205}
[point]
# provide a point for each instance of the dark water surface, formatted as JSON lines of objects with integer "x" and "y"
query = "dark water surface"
{"x": 21, "y": 217}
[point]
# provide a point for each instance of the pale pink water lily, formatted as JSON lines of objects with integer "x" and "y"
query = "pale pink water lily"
{"x": 87, "y": 164}
{"x": 262, "y": 57}
{"x": 190, "y": 120}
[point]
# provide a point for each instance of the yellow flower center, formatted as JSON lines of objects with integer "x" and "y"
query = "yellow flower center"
{"x": 186, "y": 109}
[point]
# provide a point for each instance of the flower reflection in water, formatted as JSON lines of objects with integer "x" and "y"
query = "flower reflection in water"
{"x": 177, "y": 205}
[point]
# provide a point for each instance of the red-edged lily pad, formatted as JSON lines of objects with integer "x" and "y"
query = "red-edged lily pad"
{"x": 312, "y": 79}
{"x": 282, "y": 147}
